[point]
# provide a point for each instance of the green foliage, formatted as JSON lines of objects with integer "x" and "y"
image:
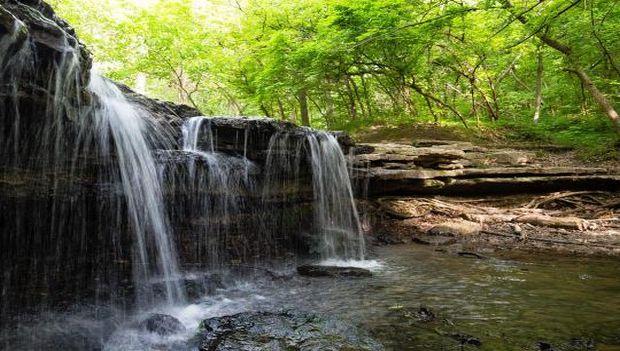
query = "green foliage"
{"x": 357, "y": 63}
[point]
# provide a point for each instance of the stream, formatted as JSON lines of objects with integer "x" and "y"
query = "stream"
{"x": 506, "y": 304}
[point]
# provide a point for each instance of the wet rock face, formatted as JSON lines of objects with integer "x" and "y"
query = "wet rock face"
{"x": 289, "y": 330}
{"x": 162, "y": 324}
{"x": 332, "y": 271}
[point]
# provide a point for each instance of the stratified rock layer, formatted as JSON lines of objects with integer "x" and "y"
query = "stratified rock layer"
{"x": 460, "y": 168}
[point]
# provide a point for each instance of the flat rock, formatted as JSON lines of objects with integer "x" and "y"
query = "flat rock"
{"x": 461, "y": 228}
{"x": 287, "y": 330}
{"x": 510, "y": 157}
{"x": 332, "y": 271}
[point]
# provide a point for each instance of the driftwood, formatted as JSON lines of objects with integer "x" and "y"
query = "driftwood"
{"x": 553, "y": 222}
{"x": 537, "y": 202}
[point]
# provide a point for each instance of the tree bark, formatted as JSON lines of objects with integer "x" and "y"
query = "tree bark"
{"x": 539, "y": 77}
{"x": 303, "y": 107}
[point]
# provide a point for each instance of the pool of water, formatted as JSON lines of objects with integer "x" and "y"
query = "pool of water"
{"x": 506, "y": 304}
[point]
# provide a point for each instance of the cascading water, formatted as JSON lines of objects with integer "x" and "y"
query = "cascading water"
{"x": 335, "y": 211}
{"x": 118, "y": 122}
{"x": 221, "y": 184}
{"x": 337, "y": 231}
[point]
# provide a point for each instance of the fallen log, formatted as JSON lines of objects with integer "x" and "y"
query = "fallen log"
{"x": 554, "y": 241}
{"x": 553, "y": 222}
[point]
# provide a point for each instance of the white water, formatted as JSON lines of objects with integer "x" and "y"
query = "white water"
{"x": 372, "y": 265}
{"x": 227, "y": 179}
{"x": 125, "y": 126}
{"x": 335, "y": 211}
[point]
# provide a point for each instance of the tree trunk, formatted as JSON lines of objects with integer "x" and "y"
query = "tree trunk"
{"x": 303, "y": 107}
{"x": 539, "y": 77}
{"x": 265, "y": 111}
{"x": 598, "y": 96}
{"x": 351, "y": 96}
{"x": 281, "y": 109}
{"x": 438, "y": 101}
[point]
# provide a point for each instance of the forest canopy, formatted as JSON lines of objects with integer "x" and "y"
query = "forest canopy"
{"x": 542, "y": 69}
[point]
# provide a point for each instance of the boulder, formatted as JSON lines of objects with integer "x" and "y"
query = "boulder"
{"x": 332, "y": 271}
{"x": 287, "y": 330}
{"x": 460, "y": 228}
{"x": 162, "y": 324}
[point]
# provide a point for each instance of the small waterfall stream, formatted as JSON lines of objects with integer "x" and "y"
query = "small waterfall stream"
{"x": 220, "y": 183}
{"x": 337, "y": 233}
{"x": 335, "y": 211}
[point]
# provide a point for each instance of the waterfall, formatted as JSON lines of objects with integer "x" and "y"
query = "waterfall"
{"x": 129, "y": 129}
{"x": 335, "y": 211}
{"x": 87, "y": 201}
{"x": 337, "y": 231}
{"x": 219, "y": 185}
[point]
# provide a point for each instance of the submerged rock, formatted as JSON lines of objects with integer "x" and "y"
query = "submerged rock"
{"x": 195, "y": 287}
{"x": 544, "y": 346}
{"x": 287, "y": 330}
{"x": 162, "y": 324}
{"x": 471, "y": 255}
{"x": 465, "y": 339}
{"x": 424, "y": 315}
{"x": 332, "y": 271}
{"x": 434, "y": 240}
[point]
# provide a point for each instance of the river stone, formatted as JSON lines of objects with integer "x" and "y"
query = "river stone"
{"x": 286, "y": 330}
{"x": 332, "y": 271}
{"x": 162, "y": 324}
{"x": 461, "y": 228}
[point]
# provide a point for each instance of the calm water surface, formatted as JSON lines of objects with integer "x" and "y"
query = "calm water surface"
{"x": 571, "y": 303}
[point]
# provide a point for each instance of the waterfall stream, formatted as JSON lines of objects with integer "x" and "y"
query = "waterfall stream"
{"x": 337, "y": 231}
{"x": 335, "y": 211}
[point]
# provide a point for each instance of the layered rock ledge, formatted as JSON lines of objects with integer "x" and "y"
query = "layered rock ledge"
{"x": 465, "y": 169}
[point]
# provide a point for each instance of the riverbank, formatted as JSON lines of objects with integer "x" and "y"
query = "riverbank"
{"x": 474, "y": 199}
{"x": 583, "y": 223}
